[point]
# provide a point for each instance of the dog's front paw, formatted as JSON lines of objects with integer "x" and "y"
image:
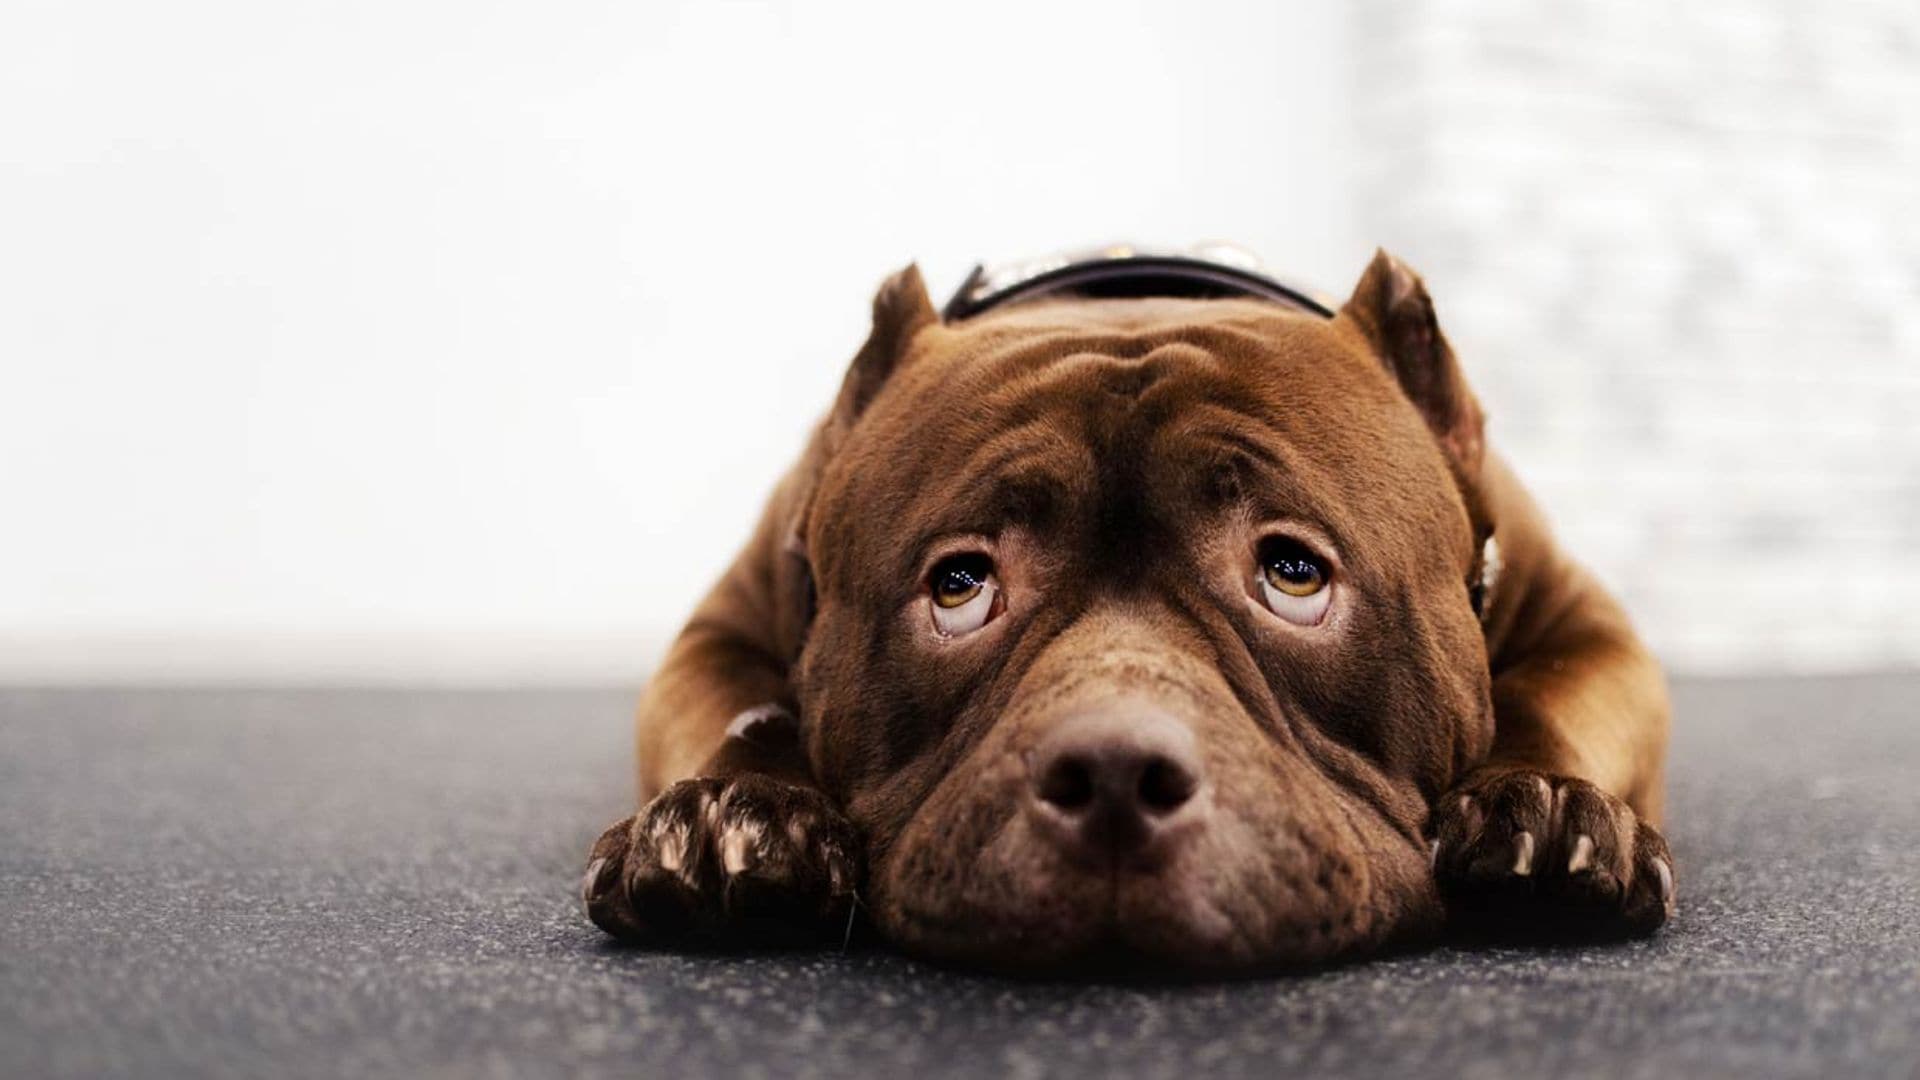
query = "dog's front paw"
{"x": 1523, "y": 853}
{"x": 743, "y": 860}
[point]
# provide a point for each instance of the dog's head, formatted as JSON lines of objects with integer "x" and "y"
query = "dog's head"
{"x": 1145, "y": 628}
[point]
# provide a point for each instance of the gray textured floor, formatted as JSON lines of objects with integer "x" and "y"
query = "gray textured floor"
{"x": 273, "y": 883}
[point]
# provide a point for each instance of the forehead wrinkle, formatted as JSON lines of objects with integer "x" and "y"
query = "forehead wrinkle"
{"x": 1034, "y": 439}
{"x": 1223, "y": 426}
{"x": 1048, "y": 349}
{"x": 1276, "y": 481}
{"x": 1033, "y": 456}
{"x": 1089, "y": 321}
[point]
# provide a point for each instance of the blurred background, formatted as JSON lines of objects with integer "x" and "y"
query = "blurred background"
{"x": 437, "y": 342}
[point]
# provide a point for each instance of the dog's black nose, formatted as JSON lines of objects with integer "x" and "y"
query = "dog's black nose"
{"x": 1115, "y": 781}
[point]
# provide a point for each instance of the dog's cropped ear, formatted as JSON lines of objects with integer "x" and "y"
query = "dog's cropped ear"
{"x": 1391, "y": 309}
{"x": 900, "y": 310}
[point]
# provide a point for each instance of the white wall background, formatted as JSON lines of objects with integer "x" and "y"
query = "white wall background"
{"x": 438, "y": 341}
{"x": 447, "y": 341}
{"x": 1679, "y": 246}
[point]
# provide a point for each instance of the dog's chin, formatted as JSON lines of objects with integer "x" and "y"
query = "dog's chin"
{"x": 1092, "y": 943}
{"x": 1217, "y": 909}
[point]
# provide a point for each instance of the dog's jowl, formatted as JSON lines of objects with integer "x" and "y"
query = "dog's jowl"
{"x": 1170, "y": 632}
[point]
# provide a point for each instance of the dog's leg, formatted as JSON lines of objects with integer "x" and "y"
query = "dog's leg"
{"x": 1556, "y": 830}
{"x": 735, "y": 840}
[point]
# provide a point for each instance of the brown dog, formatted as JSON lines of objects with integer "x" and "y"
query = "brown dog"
{"x": 1155, "y": 630}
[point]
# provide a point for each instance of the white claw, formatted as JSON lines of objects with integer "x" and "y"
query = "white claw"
{"x": 797, "y": 830}
{"x": 735, "y": 853}
{"x": 1665, "y": 873}
{"x": 1523, "y": 855}
{"x": 1582, "y": 854}
{"x": 740, "y": 845}
{"x": 591, "y": 879}
{"x": 1433, "y": 854}
{"x": 1470, "y": 816}
{"x": 671, "y": 846}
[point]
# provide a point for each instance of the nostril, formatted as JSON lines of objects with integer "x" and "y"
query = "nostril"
{"x": 1165, "y": 785}
{"x": 1068, "y": 783}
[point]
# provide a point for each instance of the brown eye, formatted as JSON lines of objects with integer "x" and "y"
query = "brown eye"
{"x": 963, "y": 592}
{"x": 960, "y": 579}
{"x": 1291, "y": 568}
{"x": 1293, "y": 580}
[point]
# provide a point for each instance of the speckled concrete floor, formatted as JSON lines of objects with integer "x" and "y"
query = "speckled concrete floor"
{"x": 333, "y": 882}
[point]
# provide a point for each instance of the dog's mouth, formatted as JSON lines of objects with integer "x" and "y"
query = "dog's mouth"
{"x": 1123, "y": 922}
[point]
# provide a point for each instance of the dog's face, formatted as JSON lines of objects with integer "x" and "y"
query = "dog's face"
{"x": 1144, "y": 630}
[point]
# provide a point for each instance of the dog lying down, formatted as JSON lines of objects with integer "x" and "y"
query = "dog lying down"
{"x": 1191, "y": 633}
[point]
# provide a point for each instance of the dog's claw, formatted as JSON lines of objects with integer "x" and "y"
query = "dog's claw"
{"x": 736, "y": 850}
{"x": 1523, "y": 855}
{"x": 590, "y": 882}
{"x": 1582, "y": 854}
{"x": 670, "y": 846}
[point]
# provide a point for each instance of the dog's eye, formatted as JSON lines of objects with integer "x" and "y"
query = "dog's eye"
{"x": 964, "y": 595}
{"x": 1293, "y": 581}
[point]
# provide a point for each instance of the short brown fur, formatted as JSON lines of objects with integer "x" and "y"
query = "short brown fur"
{"x": 1413, "y": 759}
